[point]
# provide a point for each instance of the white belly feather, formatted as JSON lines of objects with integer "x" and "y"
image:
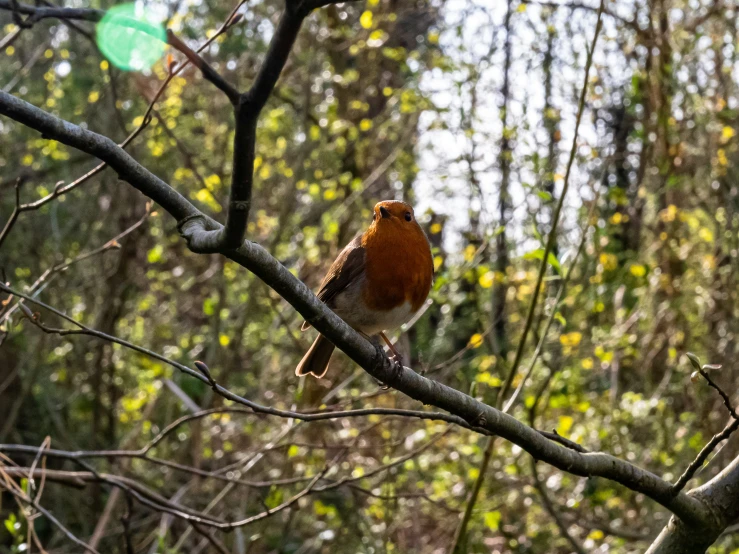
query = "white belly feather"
{"x": 349, "y": 306}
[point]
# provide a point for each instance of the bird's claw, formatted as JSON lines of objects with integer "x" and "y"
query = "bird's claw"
{"x": 397, "y": 361}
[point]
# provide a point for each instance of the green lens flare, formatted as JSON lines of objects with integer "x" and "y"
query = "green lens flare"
{"x": 130, "y": 37}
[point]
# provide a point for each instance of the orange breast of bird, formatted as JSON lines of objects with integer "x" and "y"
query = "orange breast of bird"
{"x": 399, "y": 267}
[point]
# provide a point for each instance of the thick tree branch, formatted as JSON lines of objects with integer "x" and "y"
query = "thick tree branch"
{"x": 247, "y": 110}
{"x": 37, "y": 13}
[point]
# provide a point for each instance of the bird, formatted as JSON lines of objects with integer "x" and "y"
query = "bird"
{"x": 377, "y": 282}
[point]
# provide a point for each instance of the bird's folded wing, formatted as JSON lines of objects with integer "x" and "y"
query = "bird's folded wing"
{"x": 346, "y": 269}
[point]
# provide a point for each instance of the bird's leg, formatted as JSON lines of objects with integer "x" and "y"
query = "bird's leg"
{"x": 396, "y": 358}
{"x": 376, "y": 343}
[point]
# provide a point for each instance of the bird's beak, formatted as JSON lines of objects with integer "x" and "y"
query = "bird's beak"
{"x": 384, "y": 213}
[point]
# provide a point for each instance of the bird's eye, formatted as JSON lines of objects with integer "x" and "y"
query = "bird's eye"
{"x": 408, "y": 216}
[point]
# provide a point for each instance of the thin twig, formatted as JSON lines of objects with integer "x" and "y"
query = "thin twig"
{"x": 205, "y": 68}
{"x": 5, "y": 484}
{"x": 16, "y": 212}
{"x": 724, "y": 396}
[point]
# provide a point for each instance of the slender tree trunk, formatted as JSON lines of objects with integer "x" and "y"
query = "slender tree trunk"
{"x": 551, "y": 123}
{"x": 501, "y": 244}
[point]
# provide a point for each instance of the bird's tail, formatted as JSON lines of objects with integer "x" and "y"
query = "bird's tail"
{"x": 316, "y": 360}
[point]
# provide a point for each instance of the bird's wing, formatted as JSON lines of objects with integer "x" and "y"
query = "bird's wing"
{"x": 347, "y": 267}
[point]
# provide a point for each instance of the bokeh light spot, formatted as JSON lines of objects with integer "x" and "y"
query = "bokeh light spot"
{"x": 130, "y": 37}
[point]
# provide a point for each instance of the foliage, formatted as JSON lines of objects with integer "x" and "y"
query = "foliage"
{"x": 381, "y": 100}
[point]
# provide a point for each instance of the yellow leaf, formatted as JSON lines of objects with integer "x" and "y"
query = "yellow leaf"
{"x": 638, "y": 270}
{"x": 476, "y": 340}
{"x": 224, "y": 340}
{"x": 609, "y": 261}
{"x": 366, "y": 19}
{"x": 565, "y": 424}
{"x": 93, "y": 97}
{"x": 706, "y": 234}
{"x": 365, "y": 124}
{"x": 571, "y": 339}
{"x": 587, "y": 363}
{"x": 212, "y": 181}
{"x": 727, "y": 133}
{"x": 487, "y": 279}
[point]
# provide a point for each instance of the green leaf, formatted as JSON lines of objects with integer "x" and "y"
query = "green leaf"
{"x": 11, "y": 524}
{"x": 695, "y": 360}
{"x": 492, "y": 520}
{"x": 559, "y": 317}
{"x": 155, "y": 254}
{"x": 538, "y": 254}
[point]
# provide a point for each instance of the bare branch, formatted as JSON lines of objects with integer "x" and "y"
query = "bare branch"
{"x": 702, "y": 456}
{"x": 724, "y": 396}
{"x": 207, "y": 70}
{"x": 38, "y": 13}
{"x": 7, "y": 485}
{"x": 16, "y": 212}
{"x": 732, "y": 426}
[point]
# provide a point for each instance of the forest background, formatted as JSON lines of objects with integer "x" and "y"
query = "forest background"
{"x": 583, "y": 216}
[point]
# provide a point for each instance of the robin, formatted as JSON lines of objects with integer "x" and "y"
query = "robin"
{"x": 378, "y": 282}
